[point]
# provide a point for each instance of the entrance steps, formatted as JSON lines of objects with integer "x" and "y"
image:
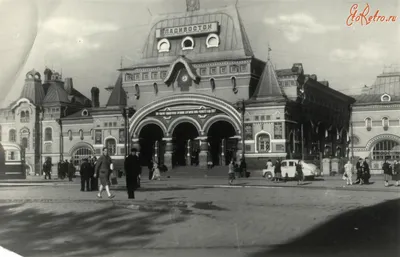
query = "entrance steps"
{"x": 192, "y": 172}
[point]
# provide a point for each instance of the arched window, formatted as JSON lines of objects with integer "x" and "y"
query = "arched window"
{"x": 137, "y": 89}
{"x": 234, "y": 88}
{"x": 155, "y": 88}
{"x": 212, "y": 84}
{"x": 24, "y": 143}
{"x": 368, "y": 123}
{"x": 187, "y": 43}
{"x": 81, "y": 134}
{"x": 70, "y": 135}
{"x": 385, "y": 123}
{"x": 387, "y": 148}
{"x": 212, "y": 40}
{"x": 12, "y": 136}
{"x": 22, "y": 117}
{"x": 163, "y": 45}
{"x": 111, "y": 146}
{"x": 48, "y": 134}
{"x": 27, "y": 116}
{"x": 263, "y": 143}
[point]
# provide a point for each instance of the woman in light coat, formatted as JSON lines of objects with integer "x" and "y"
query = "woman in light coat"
{"x": 348, "y": 173}
{"x": 156, "y": 172}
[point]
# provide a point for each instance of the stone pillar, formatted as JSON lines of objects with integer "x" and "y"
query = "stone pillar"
{"x": 203, "y": 155}
{"x": 189, "y": 153}
{"x": 135, "y": 144}
{"x": 223, "y": 152}
{"x": 239, "y": 150}
{"x": 168, "y": 152}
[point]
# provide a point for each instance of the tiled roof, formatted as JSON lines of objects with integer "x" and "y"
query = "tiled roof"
{"x": 268, "y": 86}
{"x": 56, "y": 94}
{"x": 234, "y": 42}
{"x": 32, "y": 90}
{"x": 118, "y": 95}
{"x": 388, "y": 83}
{"x": 373, "y": 98}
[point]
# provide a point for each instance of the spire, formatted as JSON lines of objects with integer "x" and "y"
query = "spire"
{"x": 245, "y": 40}
{"x": 268, "y": 85}
{"x": 118, "y": 95}
{"x": 269, "y": 50}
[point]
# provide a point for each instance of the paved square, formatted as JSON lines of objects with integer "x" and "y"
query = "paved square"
{"x": 167, "y": 220}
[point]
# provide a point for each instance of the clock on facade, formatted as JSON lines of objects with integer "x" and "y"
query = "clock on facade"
{"x": 184, "y": 78}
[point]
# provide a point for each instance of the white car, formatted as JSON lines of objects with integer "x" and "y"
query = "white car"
{"x": 288, "y": 168}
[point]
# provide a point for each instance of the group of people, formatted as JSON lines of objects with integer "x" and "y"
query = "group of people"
{"x": 299, "y": 175}
{"x": 66, "y": 169}
{"x": 391, "y": 171}
{"x": 87, "y": 173}
{"x": 240, "y": 169}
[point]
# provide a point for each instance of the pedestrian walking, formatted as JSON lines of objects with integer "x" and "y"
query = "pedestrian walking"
{"x": 156, "y": 172}
{"x": 132, "y": 171}
{"x": 94, "y": 181}
{"x": 396, "y": 172}
{"x": 243, "y": 168}
{"x": 231, "y": 172}
{"x": 359, "y": 167}
{"x": 102, "y": 171}
{"x": 85, "y": 172}
{"x": 277, "y": 171}
{"x": 348, "y": 173}
{"x": 71, "y": 170}
{"x": 59, "y": 169}
{"x": 299, "y": 172}
{"x": 386, "y": 172}
{"x": 269, "y": 164}
{"x": 366, "y": 171}
{"x": 64, "y": 170}
{"x": 150, "y": 167}
{"x": 47, "y": 168}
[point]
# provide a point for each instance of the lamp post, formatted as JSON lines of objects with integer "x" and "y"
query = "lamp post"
{"x": 241, "y": 107}
{"x": 127, "y": 113}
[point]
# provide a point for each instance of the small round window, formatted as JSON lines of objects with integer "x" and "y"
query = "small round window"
{"x": 163, "y": 45}
{"x": 212, "y": 40}
{"x": 187, "y": 43}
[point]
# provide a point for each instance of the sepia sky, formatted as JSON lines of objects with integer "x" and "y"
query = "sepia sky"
{"x": 86, "y": 38}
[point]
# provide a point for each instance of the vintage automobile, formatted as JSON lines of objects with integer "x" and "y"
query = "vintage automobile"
{"x": 288, "y": 168}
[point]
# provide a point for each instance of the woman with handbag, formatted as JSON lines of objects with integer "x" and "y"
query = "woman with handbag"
{"x": 103, "y": 171}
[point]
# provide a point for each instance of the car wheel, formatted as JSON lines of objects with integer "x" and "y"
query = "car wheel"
{"x": 268, "y": 175}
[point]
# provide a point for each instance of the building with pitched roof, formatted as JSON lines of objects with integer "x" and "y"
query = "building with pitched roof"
{"x": 196, "y": 73}
{"x": 376, "y": 120}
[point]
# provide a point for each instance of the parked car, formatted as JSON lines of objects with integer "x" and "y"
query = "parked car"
{"x": 288, "y": 168}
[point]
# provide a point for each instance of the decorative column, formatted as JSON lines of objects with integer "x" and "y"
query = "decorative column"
{"x": 203, "y": 155}
{"x": 223, "y": 152}
{"x": 156, "y": 152}
{"x": 168, "y": 152}
{"x": 188, "y": 154}
{"x": 136, "y": 144}
{"x": 239, "y": 150}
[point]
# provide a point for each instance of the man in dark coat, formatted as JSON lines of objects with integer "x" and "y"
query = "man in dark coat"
{"x": 132, "y": 172}
{"x": 386, "y": 172}
{"x": 366, "y": 171}
{"x": 85, "y": 172}
{"x": 359, "y": 168}
{"x": 94, "y": 181}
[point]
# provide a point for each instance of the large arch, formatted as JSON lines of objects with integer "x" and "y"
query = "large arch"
{"x": 150, "y": 141}
{"x": 222, "y": 141}
{"x": 373, "y": 141}
{"x": 181, "y": 99}
{"x": 184, "y": 143}
{"x": 80, "y": 145}
{"x": 221, "y": 117}
{"x": 150, "y": 120}
{"x": 184, "y": 119}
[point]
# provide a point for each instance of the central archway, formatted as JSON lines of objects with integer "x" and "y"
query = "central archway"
{"x": 151, "y": 147}
{"x": 222, "y": 144}
{"x": 184, "y": 143}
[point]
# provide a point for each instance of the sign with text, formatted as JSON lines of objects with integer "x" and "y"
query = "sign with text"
{"x": 185, "y": 112}
{"x": 186, "y": 30}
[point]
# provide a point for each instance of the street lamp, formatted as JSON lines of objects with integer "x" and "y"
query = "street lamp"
{"x": 127, "y": 113}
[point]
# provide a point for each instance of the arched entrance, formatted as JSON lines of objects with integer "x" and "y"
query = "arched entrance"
{"x": 185, "y": 145}
{"x": 386, "y": 149}
{"x": 81, "y": 153}
{"x": 222, "y": 144}
{"x": 150, "y": 139}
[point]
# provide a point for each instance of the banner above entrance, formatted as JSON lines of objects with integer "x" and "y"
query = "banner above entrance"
{"x": 196, "y": 29}
{"x": 186, "y": 112}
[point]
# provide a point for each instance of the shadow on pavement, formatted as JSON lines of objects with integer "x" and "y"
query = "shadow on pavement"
{"x": 369, "y": 231}
{"x": 31, "y": 232}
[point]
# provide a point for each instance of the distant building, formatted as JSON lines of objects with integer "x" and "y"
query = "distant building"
{"x": 376, "y": 120}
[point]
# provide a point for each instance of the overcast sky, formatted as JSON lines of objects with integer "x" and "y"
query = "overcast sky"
{"x": 86, "y": 38}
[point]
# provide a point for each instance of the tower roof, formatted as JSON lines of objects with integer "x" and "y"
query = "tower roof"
{"x": 56, "y": 94}
{"x": 118, "y": 96}
{"x": 33, "y": 89}
{"x": 268, "y": 86}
